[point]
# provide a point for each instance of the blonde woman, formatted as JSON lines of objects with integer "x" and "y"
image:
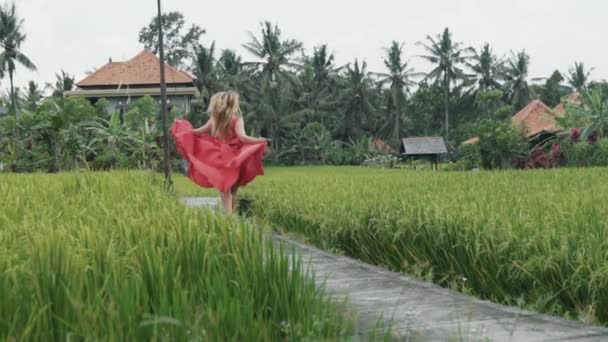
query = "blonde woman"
{"x": 220, "y": 154}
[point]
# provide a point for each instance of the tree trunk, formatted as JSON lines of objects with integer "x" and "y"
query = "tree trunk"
{"x": 397, "y": 113}
{"x": 13, "y": 103}
{"x": 446, "y": 91}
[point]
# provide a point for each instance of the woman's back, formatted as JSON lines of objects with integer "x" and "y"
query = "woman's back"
{"x": 227, "y": 134}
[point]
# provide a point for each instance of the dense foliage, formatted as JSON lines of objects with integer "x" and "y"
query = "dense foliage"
{"x": 313, "y": 110}
{"x": 74, "y": 134}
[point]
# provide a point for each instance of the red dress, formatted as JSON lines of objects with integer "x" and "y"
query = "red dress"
{"x": 215, "y": 162}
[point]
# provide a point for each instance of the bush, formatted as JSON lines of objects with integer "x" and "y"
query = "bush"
{"x": 600, "y": 155}
{"x": 307, "y": 146}
{"x": 469, "y": 157}
{"x": 584, "y": 154}
{"x": 500, "y": 144}
{"x": 381, "y": 160}
{"x": 542, "y": 158}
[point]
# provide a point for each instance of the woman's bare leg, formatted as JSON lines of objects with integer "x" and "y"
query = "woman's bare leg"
{"x": 227, "y": 201}
{"x": 234, "y": 190}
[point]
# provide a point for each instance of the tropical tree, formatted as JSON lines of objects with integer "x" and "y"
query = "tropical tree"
{"x": 449, "y": 57}
{"x": 11, "y": 38}
{"x": 177, "y": 39}
{"x": 399, "y": 78}
{"x": 316, "y": 91}
{"x": 32, "y": 97}
{"x": 487, "y": 69}
{"x": 12, "y": 96}
{"x": 322, "y": 63}
{"x": 592, "y": 115}
{"x": 553, "y": 90}
{"x": 204, "y": 70}
{"x": 356, "y": 100}
{"x": 578, "y": 77}
{"x": 516, "y": 75}
{"x": 63, "y": 82}
{"x": 271, "y": 114}
{"x": 273, "y": 53}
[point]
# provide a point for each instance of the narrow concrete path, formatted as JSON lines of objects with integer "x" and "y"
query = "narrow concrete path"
{"x": 419, "y": 310}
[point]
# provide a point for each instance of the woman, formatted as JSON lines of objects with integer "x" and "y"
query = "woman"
{"x": 220, "y": 154}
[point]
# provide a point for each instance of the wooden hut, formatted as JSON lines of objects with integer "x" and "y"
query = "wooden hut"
{"x": 423, "y": 148}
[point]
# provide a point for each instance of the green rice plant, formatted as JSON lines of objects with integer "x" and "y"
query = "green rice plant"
{"x": 109, "y": 256}
{"x": 537, "y": 239}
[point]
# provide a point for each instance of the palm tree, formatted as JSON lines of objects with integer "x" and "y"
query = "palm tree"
{"x": 12, "y": 96}
{"x": 274, "y": 54}
{"x": 230, "y": 72}
{"x": 63, "y": 82}
{"x": 315, "y": 93}
{"x": 516, "y": 75}
{"x": 32, "y": 96}
{"x": 355, "y": 99}
{"x": 11, "y": 39}
{"x": 448, "y": 56}
{"x": 400, "y": 79}
{"x": 322, "y": 63}
{"x": 271, "y": 113}
{"x": 204, "y": 70}
{"x": 487, "y": 69}
{"x": 579, "y": 77}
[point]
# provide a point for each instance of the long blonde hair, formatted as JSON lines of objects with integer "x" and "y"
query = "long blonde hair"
{"x": 223, "y": 107}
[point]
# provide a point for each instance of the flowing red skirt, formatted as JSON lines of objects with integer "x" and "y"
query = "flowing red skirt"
{"x": 217, "y": 163}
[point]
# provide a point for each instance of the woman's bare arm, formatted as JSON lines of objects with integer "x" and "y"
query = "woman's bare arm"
{"x": 205, "y": 129}
{"x": 243, "y": 137}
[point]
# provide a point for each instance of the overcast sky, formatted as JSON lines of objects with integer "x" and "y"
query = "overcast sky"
{"x": 77, "y": 35}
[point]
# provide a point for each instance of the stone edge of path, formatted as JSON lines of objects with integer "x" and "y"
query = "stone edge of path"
{"x": 420, "y": 310}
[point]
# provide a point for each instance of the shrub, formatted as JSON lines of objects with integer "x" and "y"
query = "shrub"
{"x": 584, "y": 154}
{"x": 381, "y": 160}
{"x": 539, "y": 158}
{"x": 500, "y": 144}
{"x": 469, "y": 157}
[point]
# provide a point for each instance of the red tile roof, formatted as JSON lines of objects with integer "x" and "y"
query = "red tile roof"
{"x": 142, "y": 69}
{"x": 470, "y": 141}
{"x": 535, "y": 118}
{"x": 380, "y": 146}
{"x": 572, "y": 99}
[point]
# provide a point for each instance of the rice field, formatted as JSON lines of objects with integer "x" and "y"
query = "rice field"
{"x": 536, "y": 239}
{"x": 109, "y": 256}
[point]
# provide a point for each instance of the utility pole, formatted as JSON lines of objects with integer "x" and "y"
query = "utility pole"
{"x": 163, "y": 100}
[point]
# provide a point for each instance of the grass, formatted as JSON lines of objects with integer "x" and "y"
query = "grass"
{"x": 536, "y": 239}
{"x": 109, "y": 256}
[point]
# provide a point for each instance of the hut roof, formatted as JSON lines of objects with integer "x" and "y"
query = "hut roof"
{"x": 380, "y": 146}
{"x": 423, "y": 145}
{"x": 143, "y": 69}
{"x": 470, "y": 141}
{"x": 573, "y": 99}
{"x": 535, "y": 118}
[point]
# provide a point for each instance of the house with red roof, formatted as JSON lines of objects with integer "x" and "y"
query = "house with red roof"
{"x": 537, "y": 120}
{"x": 122, "y": 83}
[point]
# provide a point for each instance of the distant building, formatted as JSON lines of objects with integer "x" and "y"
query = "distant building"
{"x": 378, "y": 145}
{"x": 537, "y": 120}
{"x": 121, "y": 83}
{"x": 423, "y": 147}
{"x": 3, "y": 111}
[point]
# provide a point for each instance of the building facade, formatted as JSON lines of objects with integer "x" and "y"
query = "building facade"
{"x": 123, "y": 83}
